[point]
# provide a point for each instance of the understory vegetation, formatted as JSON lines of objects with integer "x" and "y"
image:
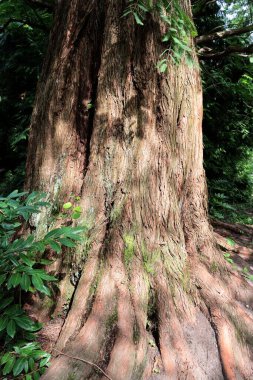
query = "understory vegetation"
{"x": 22, "y": 274}
{"x": 228, "y": 121}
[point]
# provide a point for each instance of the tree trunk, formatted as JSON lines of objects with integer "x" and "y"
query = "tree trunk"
{"x": 155, "y": 298}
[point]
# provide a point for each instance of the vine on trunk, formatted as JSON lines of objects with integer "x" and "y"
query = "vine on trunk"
{"x": 177, "y": 34}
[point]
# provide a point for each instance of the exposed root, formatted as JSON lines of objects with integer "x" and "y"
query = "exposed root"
{"x": 75, "y": 316}
{"x": 232, "y": 323}
{"x": 238, "y": 228}
{"x": 223, "y": 333}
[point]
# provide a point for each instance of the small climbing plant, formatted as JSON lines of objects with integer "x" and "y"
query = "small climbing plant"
{"x": 22, "y": 272}
{"x": 178, "y": 32}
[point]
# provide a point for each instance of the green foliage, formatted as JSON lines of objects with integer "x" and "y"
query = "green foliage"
{"x": 26, "y": 359}
{"x": 179, "y": 28}
{"x": 24, "y": 31}
{"x": 228, "y": 118}
{"x": 227, "y": 257}
{"x": 230, "y": 242}
{"x": 21, "y": 271}
{"x": 72, "y": 210}
{"x": 246, "y": 273}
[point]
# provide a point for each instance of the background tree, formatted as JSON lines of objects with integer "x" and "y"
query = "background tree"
{"x": 24, "y": 34}
{"x": 228, "y": 138}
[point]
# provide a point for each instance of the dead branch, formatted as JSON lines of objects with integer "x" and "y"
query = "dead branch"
{"x": 84, "y": 361}
{"x": 223, "y": 34}
{"x": 208, "y": 53}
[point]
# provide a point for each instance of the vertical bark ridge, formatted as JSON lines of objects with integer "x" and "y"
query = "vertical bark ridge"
{"x": 60, "y": 147}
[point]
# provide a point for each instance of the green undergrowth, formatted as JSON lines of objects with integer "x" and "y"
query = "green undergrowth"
{"x": 22, "y": 272}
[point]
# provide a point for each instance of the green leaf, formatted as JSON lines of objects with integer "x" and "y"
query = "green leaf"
{"x": 3, "y": 322}
{"x": 54, "y": 233}
{"x": 67, "y": 205}
{"x": 9, "y": 365}
{"x": 27, "y": 260}
{"x": 76, "y": 230}
{"x": 11, "y": 328}
{"x": 42, "y": 370}
{"x": 44, "y": 276}
{"x": 142, "y": 7}
{"x": 39, "y": 246}
{"x": 76, "y": 215}
{"x": 31, "y": 363}
{"x": 231, "y": 242}
{"x": 6, "y": 302}
{"x": 37, "y": 283}
{"x": 25, "y": 282}
{"x": 67, "y": 242}
{"x": 45, "y": 262}
{"x": 14, "y": 280}
{"x": 137, "y": 18}
{"x": 2, "y": 278}
{"x": 45, "y": 290}
{"x": 77, "y": 209}
{"x": 14, "y": 310}
{"x": 44, "y": 361}
{"x": 24, "y": 323}
{"x": 16, "y": 194}
{"x": 163, "y": 67}
{"x": 55, "y": 246}
{"x": 89, "y": 106}
{"x": 26, "y": 366}
{"x": 36, "y": 376}
{"x": 166, "y": 38}
{"x": 10, "y": 226}
{"x": 6, "y": 358}
{"x": 19, "y": 366}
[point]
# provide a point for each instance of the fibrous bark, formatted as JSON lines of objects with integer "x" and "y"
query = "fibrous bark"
{"x": 155, "y": 299}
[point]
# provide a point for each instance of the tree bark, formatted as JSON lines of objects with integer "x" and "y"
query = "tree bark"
{"x": 155, "y": 298}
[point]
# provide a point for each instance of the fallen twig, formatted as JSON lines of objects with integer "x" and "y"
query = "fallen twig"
{"x": 84, "y": 361}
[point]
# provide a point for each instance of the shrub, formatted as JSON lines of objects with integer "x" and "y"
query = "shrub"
{"x": 21, "y": 272}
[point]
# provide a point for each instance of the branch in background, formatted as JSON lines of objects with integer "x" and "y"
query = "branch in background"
{"x": 223, "y": 34}
{"x": 207, "y": 53}
{"x": 23, "y": 22}
{"x": 200, "y": 6}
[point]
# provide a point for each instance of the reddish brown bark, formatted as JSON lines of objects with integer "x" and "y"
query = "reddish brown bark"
{"x": 148, "y": 304}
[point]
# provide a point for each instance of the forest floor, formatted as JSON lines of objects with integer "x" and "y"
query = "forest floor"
{"x": 236, "y": 243}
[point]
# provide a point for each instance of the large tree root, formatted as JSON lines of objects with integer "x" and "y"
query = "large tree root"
{"x": 154, "y": 329}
